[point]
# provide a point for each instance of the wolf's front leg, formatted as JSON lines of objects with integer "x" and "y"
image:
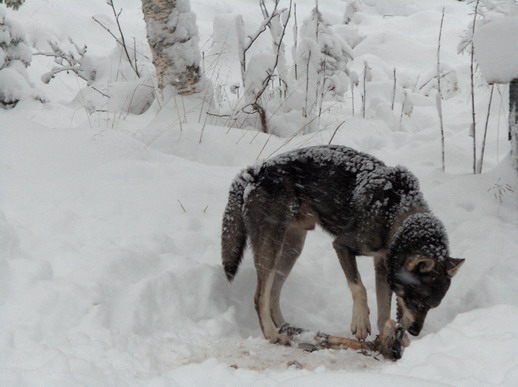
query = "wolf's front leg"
{"x": 360, "y": 324}
{"x": 383, "y": 292}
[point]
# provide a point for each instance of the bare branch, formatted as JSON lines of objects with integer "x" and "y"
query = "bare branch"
{"x": 68, "y": 61}
{"x": 254, "y": 37}
{"x": 255, "y": 104}
{"x": 107, "y": 29}
{"x": 439, "y": 94}
{"x": 473, "y": 131}
{"x": 121, "y": 40}
{"x": 124, "y": 46}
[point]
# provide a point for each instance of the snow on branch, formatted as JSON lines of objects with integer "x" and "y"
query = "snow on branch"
{"x": 67, "y": 61}
{"x": 278, "y": 30}
{"x": 244, "y": 46}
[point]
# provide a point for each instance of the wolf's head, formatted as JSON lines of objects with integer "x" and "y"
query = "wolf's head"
{"x": 420, "y": 285}
{"x": 420, "y": 269}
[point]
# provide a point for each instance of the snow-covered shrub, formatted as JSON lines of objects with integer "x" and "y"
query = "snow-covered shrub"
{"x": 15, "y": 56}
{"x": 351, "y": 10}
{"x": 491, "y": 40}
{"x": 113, "y": 83}
{"x": 14, "y": 4}
{"x": 274, "y": 89}
{"x": 260, "y": 73}
{"x": 69, "y": 61}
{"x": 487, "y": 11}
{"x": 449, "y": 82}
{"x": 495, "y": 40}
{"x": 322, "y": 60}
{"x": 115, "y": 88}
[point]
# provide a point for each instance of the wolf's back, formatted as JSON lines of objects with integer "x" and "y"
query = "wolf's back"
{"x": 233, "y": 233}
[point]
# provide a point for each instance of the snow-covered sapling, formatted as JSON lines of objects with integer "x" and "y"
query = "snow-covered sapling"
{"x": 351, "y": 10}
{"x": 394, "y": 90}
{"x": 245, "y": 42}
{"x": 257, "y": 82}
{"x": 14, "y": 4}
{"x": 15, "y": 56}
{"x": 473, "y": 128}
{"x": 439, "y": 94}
{"x": 407, "y": 107}
{"x": 354, "y": 81}
{"x": 481, "y": 160}
{"x": 71, "y": 60}
{"x": 367, "y": 77}
{"x": 323, "y": 56}
{"x": 496, "y": 48}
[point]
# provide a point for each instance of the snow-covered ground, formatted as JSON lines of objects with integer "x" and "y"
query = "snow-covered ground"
{"x": 110, "y": 222}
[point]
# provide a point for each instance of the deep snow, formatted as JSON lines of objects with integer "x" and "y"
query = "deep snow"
{"x": 110, "y": 222}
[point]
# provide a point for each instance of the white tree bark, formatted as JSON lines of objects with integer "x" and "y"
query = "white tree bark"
{"x": 173, "y": 37}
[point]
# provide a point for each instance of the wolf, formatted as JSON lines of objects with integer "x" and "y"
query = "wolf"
{"x": 370, "y": 209}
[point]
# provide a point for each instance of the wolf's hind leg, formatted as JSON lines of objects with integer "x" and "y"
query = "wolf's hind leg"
{"x": 291, "y": 249}
{"x": 360, "y": 324}
{"x": 265, "y": 258}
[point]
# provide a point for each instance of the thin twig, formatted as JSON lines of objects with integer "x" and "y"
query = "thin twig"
{"x": 481, "y": 162}
{"x": 124, "y": 46}
{"x": 295, "y": 38}
{"x": 473, "y": 131}
{"x": 122, "y": 40}
{"x": 336, "y": 130}
{"x": 289, "y": 139}
{"x": 254, "y": 37}
{"x": 256, "y": 104}
{"x": 181, "y": 205}
{"x": 439, "y": 94}
{"x": 364, "y": 98}
{"x": 394, "y": 90}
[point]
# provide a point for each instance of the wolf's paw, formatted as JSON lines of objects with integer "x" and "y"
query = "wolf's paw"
{"x": 391, "y": 341}
{"x": 360, "y": 325}
{"x": 280, "y": 339}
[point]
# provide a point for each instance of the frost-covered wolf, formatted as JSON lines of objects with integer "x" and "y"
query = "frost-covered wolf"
{"x": 370, "y": 209}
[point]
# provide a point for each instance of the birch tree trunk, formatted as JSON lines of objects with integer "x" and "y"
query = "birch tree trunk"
{"x": 173, "y": 37}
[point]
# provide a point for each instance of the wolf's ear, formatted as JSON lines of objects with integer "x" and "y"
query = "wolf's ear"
{"x": 453, "y": 265}
{"x": 421, "y": 264}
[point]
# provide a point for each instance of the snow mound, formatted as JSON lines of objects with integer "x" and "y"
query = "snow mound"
{"x": 496, "y": 50}
{"x": 476, "y": 348}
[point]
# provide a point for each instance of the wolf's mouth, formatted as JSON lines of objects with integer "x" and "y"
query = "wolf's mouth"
{"x": 414, "y": 331}
{"x": 408, "y": 320}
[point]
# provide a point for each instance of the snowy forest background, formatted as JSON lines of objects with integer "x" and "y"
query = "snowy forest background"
{"x": 115, "y": 168}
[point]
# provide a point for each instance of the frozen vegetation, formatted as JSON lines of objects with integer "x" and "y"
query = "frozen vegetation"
{"x": 111, "y": 199}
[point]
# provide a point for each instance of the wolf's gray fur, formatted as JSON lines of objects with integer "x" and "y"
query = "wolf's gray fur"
{"x": 370, "y": 209}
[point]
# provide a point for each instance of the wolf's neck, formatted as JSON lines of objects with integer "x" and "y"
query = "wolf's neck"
{"x": 401, "y": 218}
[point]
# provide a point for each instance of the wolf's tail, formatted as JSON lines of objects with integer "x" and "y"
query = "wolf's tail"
{"x": 233, "y": 234}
